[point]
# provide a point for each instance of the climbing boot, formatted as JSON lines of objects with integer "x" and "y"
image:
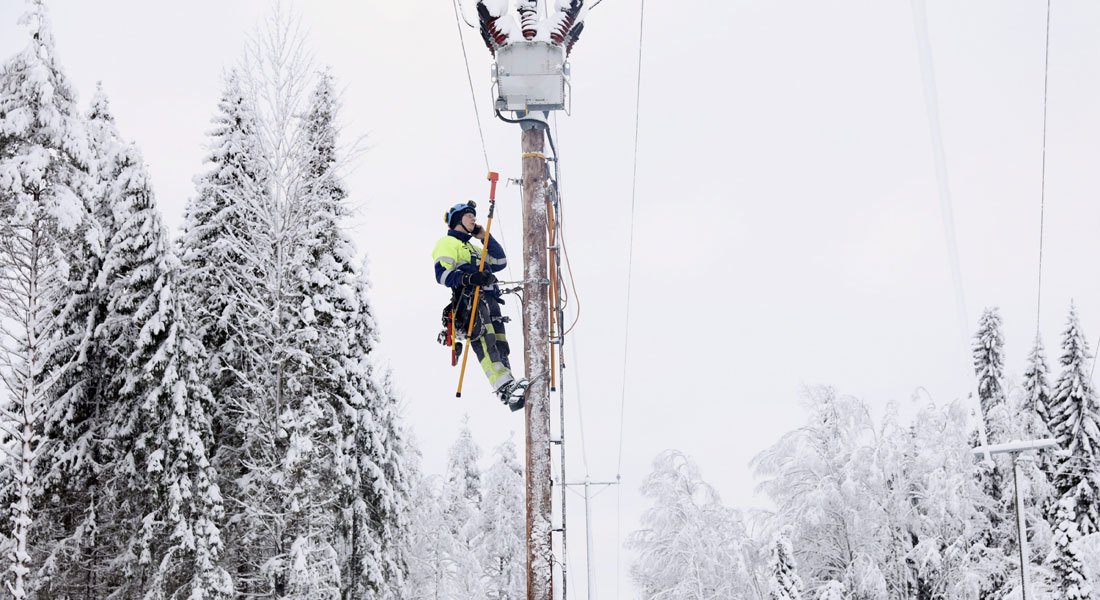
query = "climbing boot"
{"x": 514, "y": 394}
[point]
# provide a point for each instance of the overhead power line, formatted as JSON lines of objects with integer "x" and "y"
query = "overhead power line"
{"x": 630, "y": 254}
{"x": 462, "y": 11}
{"x": 470, "y": 79}
{"x": 629, "y": 285}
{"x": 1043, "y": 176}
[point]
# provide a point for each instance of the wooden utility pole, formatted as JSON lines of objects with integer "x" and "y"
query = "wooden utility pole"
{"x": 530, "y": 77}
{"x": 536, "y": 337}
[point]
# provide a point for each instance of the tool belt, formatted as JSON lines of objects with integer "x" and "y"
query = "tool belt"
{"x": 455, "y": 319}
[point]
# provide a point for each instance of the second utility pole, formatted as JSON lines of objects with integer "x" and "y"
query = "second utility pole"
{"x": 536, "y": 334}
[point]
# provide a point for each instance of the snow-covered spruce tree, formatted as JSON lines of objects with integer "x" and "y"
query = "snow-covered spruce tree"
{"x": 785, "y": 583}
{"x": 1034, "y": 413}
{"x": 688, "y": 546}
{"x": 463, "y": 473}
{"x": 502, "y": 545}
{"x": 210, "y": 250}
{"x": 462, "y": 512}
{"x": 376, "y": 522}
{"x": 1075, "y": 422}
{"x": 1034, "y": 410}
{"x": 1074, "y": 408}
{"x": 310, "y": 446}
{"x": 988, "y": 352}
{"x": 88, "y": 464}
{"x": 43, "y": 174}
{"x": 391, "y": 494}
{"x": 212, "y": 233}
{"x": 997, "y": 419}
{"x": 164, "y": 500}
{"x": 1036, "y": 401}
{"x": 213, "y": 228}
{"x": 337, "y": 310}
{"x": 185, "y": 548}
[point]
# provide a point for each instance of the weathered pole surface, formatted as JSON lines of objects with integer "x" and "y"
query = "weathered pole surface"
{"x": 536, "y": 336}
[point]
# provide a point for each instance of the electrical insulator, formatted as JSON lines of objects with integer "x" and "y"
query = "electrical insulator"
{"x": 566, "y": 30}
{"x": 490, "y": 32}
{"x": 561, "y": 28}
{"x": 574, "y": 36}
{"x": 528, "y": 18}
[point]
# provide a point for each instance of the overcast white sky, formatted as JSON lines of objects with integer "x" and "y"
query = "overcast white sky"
{"x": 788, "y": 226}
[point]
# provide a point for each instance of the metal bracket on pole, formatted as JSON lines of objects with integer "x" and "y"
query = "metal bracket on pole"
{"x": 533, "y": 121}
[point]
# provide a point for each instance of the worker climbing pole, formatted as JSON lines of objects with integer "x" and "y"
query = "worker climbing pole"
{"x": 474, "y": 311}
{"x": 530, "y": 80}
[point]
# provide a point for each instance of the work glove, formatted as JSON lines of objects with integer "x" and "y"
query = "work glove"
{"x": 479, "y": 278}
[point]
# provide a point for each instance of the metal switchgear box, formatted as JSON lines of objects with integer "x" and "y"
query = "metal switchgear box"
{"x": 531, "y": 76}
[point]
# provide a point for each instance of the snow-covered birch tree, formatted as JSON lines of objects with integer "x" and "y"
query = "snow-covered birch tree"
{"x": 689, "y": 544}
{"x": 886, "y": 512}
{"x": 809, "y": 474}
{"x": 949, "y": 519}
{"x": 27, "y": 285}
{"x": 308, "y": 430}
{"x": 43, "y": 167}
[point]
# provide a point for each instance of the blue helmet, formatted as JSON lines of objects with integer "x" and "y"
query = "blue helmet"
{"x": 454, "y": 214}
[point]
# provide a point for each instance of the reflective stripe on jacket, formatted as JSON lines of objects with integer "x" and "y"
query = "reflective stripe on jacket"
{"x": 455, "y": 255}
